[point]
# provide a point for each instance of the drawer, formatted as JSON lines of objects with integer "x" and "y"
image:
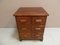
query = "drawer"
{"x": 37, "y": 35}
{"x": 38, "y": 29}
{"x": 23, "y": 20}
{"x": 25, "y": 34}
{"x": 24, "y": 29}
{"x": 38, "y": 20}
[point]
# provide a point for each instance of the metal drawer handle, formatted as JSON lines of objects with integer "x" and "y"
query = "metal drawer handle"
{"x": 38, "y": 20}
{"x": 23, "y": 20}
{"x": 38, "y": 28}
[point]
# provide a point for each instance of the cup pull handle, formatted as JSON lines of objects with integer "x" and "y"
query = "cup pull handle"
{"x": 38, "y": 28}
{"x": 38, "y": 20}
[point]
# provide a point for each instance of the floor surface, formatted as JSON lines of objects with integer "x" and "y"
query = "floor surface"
{"x": 9, "y": 36}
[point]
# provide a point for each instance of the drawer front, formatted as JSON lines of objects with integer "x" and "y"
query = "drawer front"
{"x": 23, "y": 20}
{"x": 37, "y": 35}
{"x": 38, "y": 28}
{"x": 41, "y": 30}
{"x": 38, "y": 20}
{"x": 25, "y": 34}
{"x": 24, "y": 29}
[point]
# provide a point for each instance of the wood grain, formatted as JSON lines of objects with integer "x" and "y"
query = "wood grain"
{"x": 31, "y": 22}
{"x": 31, "y": 11}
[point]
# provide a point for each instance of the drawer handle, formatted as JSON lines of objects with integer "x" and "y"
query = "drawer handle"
{"x": 23, "y": 20}
{"x": 38, "y": 20}
{"x": 38, "y": 28}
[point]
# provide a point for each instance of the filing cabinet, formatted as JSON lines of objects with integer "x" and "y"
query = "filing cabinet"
{"x": 31, "y": 22}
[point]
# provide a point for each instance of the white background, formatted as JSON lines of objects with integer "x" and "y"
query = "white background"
{"x": 9, "y": 36}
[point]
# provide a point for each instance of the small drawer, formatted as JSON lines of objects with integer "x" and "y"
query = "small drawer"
{"x": 37, "y": 35}
{"x": 38, "y": 20}
{"x": 24, "y": 29}
{"x": 23, "y": 20}
{"x": 39, "y": 29}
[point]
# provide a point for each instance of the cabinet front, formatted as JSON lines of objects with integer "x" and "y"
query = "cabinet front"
{"x": 31, "y": 27}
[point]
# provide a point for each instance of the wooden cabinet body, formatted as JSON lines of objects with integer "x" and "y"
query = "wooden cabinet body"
{"x": 31, "y": 22}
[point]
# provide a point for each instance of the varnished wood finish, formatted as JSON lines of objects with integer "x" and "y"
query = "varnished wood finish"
{"x": 31, "y": 11}
{"x": 31, "y": 22}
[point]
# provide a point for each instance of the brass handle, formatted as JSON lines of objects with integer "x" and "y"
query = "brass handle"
{"x": 38, "y": 28}
{"x": 23, "y": 20}
{"x": 38, "y": 20}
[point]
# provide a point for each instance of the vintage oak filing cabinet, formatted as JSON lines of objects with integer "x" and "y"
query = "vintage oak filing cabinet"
{"x": 31, "y": 22}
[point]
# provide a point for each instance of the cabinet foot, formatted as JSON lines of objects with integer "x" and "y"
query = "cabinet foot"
{"x": 41, "y": 39}
{"x": 20, "y": 40}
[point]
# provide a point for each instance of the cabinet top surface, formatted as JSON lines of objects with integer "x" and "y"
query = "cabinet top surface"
{"x": 31, "y": 11}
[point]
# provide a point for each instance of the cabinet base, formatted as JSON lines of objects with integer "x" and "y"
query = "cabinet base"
{"x": 31, "y": 39}
{"x": 41, "y": 39}
{"x": 20, "y": 40}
